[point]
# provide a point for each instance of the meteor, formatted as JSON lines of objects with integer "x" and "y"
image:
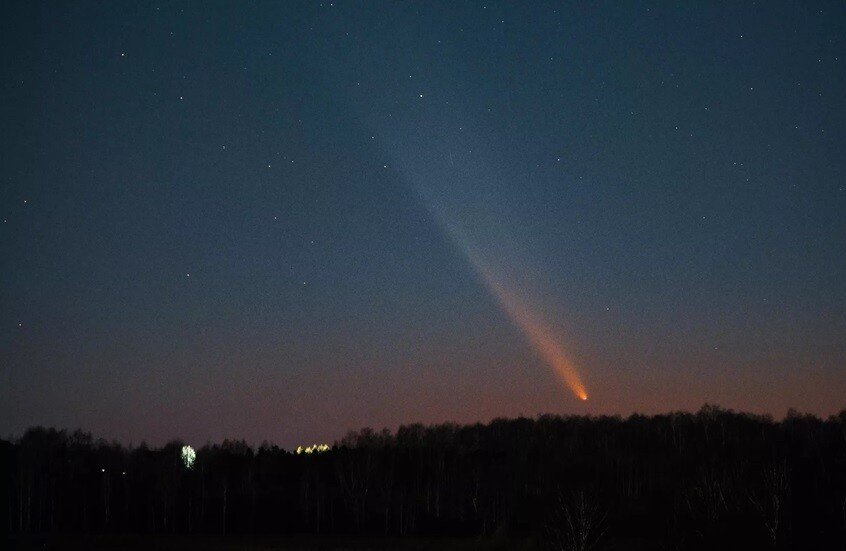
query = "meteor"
{"x": 533, "y": 328}
{"x": 531, "y": 325}
{"x": 460, "y": 192}
{"x": 473, "y": 220}
{"x": 543, "y": 342}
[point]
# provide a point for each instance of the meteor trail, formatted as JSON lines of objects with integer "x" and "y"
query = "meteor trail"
{"x": 468, "y": 209}
{"x": 539, "y": 335}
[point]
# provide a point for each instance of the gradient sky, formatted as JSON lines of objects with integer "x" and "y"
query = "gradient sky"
{"x": 276, "y": 220}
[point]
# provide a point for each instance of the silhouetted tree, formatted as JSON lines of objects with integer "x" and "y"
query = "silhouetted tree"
{"x": 707, "y": 480}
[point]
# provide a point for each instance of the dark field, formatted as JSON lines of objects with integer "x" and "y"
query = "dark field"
{"x": 495, "y": 542}
{"x": 211, "y": 543}
{"x": 714, "y": 479}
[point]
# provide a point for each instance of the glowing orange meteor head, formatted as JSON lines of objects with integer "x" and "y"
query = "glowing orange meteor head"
{"x": 539, "y": 336}
{"x": 530, "y": 324}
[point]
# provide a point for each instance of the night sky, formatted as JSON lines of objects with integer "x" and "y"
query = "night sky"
{"x": 286, "y": 220}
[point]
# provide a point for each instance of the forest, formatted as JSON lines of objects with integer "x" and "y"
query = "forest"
{"x": 714, "y": 479}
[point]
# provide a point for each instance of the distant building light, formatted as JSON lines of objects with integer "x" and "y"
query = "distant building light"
{"x": 188, "y": 456}
{"x": 316, "y": 448}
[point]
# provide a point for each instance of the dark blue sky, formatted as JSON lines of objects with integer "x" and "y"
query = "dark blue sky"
{"x": 663, "y": 184}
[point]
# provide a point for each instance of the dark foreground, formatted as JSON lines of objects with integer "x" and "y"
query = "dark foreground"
{"x": 494, "y": 542}
{"x": 212, "y": 543}
{"x": 710, "y": 480}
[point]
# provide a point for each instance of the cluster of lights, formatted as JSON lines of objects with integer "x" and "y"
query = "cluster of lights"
{"x": 188, "y": 456}
{"x": 316, "y": 448}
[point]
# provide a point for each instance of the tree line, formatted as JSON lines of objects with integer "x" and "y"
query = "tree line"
{"x": 705, "y": 480}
